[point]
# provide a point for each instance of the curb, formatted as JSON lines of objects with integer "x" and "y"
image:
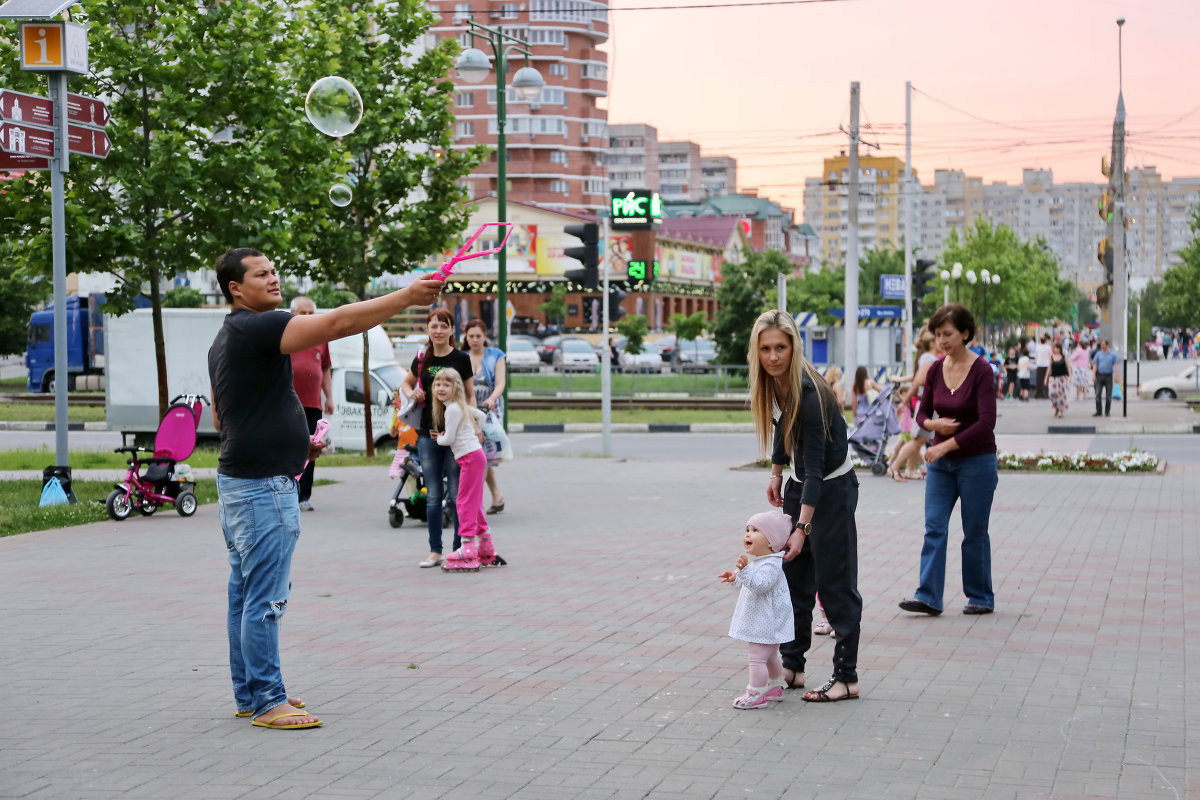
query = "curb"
{"x": 49, "y": 426}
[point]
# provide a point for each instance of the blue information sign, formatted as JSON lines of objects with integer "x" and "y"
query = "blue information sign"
{"x": 872, "y": 312}
{"x": 891, "y": 287}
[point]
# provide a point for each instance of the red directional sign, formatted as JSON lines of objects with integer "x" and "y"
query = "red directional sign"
{"x": 88, "y": 141}
{"x": 12, "y": 163}
{"x": 87, "y": 110}
{"x": 28, "y": 108}
{"x": 26, "y": 140}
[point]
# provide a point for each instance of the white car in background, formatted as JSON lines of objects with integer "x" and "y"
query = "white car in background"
{"x": 575, "y": 354}
{"x": 649, "y": 360}
{"x": 1184, "y": 384}
{"x": 522, "y": 356}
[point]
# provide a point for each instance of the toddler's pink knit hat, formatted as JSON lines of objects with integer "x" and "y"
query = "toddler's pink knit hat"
{"x": 775, "y": 525}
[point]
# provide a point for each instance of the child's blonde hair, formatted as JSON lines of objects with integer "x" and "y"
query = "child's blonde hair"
{"x": 458, "y": 396}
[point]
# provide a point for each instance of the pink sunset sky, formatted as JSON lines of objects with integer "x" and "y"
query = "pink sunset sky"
{"x": 770, "y": 85}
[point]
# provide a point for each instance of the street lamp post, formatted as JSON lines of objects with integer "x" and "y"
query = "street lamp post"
{"x": 473, "y": 67}
{"x": 953, "y": 275}
{"x": 989, "y": 279}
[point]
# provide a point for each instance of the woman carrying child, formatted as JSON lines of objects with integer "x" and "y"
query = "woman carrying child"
{"x": 763, "y": 616}
{"x": 456, "y": 425}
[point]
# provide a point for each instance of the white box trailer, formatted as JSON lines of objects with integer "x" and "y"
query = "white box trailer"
{"x": 131, "y": 380}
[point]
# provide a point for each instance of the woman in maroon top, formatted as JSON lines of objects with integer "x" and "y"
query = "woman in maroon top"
{"x": 959, "y": 407}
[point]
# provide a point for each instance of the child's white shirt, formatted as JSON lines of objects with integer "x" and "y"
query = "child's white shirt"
{"x": 459, "y": 434}
{"x": 764, "y": 607}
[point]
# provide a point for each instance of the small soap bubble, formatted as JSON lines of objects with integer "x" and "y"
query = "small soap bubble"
{"x": 333, "y": 106}
{"x": 340, "y": 195}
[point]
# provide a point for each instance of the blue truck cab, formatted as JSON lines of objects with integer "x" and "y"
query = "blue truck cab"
{"x": 85, "y": 342}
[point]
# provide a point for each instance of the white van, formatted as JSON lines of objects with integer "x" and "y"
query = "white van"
{"x": 346, "y": 422}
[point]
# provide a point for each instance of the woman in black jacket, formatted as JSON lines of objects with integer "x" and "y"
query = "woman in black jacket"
{"x": 795, "y": 411}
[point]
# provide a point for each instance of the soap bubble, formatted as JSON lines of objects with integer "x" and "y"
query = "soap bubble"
{"x": 333, "y": 106}
{"x": 340, "y": 195}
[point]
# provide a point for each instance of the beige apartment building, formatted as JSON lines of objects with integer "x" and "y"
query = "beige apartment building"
{"x": 555, "y": 143}
{"x": 827, "y": 200}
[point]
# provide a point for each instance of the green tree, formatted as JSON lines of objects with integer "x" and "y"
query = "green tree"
{"x": 873, "y": 265}
{"x": 326, "y": 295}
{"x": 1181, "y": 285}
{"x": 555, "y": 308}
{"x": 817, "y": 292}
{"x": 1030, "y": 289}
{"x": 182, "y": 297}
{"x": 20, "y": 293}
{"x": 634, "y": 329}
{"x": 687, "y": 326}
{"x": 746, "y": 290}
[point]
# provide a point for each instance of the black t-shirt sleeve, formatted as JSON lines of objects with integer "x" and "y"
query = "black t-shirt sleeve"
{"x": 265, "y": 331}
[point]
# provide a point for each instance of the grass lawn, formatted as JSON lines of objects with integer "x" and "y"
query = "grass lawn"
{"x": 701, "y": 384}
{"x": 39, "y": 458}
{"x": 44, "y": 412}
{"x": 20, "y": 513}
{"x": 11, "y": 385}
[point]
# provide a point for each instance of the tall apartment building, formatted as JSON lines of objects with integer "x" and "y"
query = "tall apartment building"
{"x": 679, "y": 172}
{"x": 826, "y": 204}
{"x": 555, "y": 143}
{"x": 718, "y": 175}
{"x": 632, "y": 157}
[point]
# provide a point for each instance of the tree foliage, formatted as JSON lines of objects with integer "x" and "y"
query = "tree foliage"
{"x": 746, "y": 290}
{"x": 634, "y": 329}
{"x": 1180, "y": 303}
{"x": 1030, "y": 289}
{"x": 817, "y": 292}
{"x": 182, "y": 297}
{"x": 555, "y": 308}
{"x": 688, "y": 326}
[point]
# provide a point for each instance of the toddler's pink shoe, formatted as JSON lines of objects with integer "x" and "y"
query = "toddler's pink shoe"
{"x": 774, "y": 693}
{"x": 755, "y": 697}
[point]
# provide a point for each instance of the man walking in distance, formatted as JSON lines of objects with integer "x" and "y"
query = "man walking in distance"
{"x": 1104, "y": 361}
{"x": 312, "y": 372}
{"x": 264, "y": 442}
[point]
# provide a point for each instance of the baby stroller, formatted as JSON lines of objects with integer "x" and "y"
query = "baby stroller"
{"x": 869, "y": 438}
{"x": 165, "y": 479}
{"x": 410, "y": 494}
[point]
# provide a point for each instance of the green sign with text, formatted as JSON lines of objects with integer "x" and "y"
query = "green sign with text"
{"x": 635, "y": 209}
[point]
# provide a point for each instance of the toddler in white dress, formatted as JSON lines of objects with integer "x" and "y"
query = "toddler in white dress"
{"x": 763, "y": 616}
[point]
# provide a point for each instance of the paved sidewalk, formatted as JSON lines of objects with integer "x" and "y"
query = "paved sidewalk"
{"x": 596, "y": 665}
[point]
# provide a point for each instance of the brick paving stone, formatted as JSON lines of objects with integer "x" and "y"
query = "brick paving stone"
{"x": 596, "y": 664}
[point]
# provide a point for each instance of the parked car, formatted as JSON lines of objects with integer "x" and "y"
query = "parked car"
{"x": 694, "y": 353}
{"x": 649, "y": 360}
{"x": 522, "y": 356}
{"x": 1174, "y": 386}
{"x": 574, "y": 354}
{"x": 546, "y": 348}
{"x": 666, "y": 347}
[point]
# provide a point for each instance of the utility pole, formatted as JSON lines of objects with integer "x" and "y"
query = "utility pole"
{"x": 909, "y": 227}
{"x": 1119, "y": 302}
{"x": 851, "y": 315}
{"x": 605, "y": 350}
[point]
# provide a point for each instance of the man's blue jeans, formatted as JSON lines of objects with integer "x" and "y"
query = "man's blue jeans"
{"x": 438, "y": 466}
{"x": 972, "y": 481}
{"x": 261, "y": 522}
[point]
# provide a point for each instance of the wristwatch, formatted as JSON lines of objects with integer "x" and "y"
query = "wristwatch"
{"x": 804, "y": 527}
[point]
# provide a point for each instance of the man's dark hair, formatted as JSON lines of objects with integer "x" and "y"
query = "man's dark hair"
{"x": 957, "y": 315}
{"x": 230, "y": 268}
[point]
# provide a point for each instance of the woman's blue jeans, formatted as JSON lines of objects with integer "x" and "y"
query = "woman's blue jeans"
{"x": 971, "y": 481}
{"x": 261, "y": 522}
{"x": 439, "y": 468}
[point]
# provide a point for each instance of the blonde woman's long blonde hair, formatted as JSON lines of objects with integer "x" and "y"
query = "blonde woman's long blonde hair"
{"x": 763, "y": 400}
{"x": 458, "y": 397}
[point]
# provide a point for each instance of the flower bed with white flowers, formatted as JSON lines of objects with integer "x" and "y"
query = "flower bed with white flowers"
{"x": 1124, "y": 461}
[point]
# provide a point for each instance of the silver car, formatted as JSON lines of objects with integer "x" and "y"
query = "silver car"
{"x": 1172, "y": 387}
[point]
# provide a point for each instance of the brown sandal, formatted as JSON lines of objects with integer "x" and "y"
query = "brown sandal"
{"x": 822, "y": 695}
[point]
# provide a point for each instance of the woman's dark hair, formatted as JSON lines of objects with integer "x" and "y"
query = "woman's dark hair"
{"x": 957, "y": 315}
{"x": 446, "y": 317}
{"x": 474, "y": 322}
{"x": 229, "y": 267}
{"x": 860, "y": 380}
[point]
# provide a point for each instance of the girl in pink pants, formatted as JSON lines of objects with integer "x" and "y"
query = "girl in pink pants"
{"x": 458, "y": 425}
{"x": 763, "y": 617}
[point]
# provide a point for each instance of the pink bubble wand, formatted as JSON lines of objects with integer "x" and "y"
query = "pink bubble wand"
{"x": 445, "y": 270}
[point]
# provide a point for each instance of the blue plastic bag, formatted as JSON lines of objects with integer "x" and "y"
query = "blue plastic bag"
{"x": 53, "y": 494}
{"x": 1116, "y": 394}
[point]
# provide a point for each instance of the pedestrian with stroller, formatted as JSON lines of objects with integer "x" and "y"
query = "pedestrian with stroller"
{"x": 859, "y": 399}
{"x": 962, "y": 467}
{"x": 795, "y": 414}
{"x": 489, "y": 369}
{"x": 457, "y": 426}
{"x": 763, "y": 615}
{"x": 264, "y": 443}
{"x": 437, "y": 461}
{"x": 312, "y": 371}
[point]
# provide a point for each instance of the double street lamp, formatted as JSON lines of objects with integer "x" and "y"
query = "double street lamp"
{"x": 956, "y": 274}
{"x": 473, "y": 66}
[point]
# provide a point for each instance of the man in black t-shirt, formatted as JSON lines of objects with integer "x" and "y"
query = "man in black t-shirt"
{"x": 264, "y": 444}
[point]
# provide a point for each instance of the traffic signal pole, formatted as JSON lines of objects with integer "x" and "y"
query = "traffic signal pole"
{"x": 908, "y": 224}
{"x": 605, "y": 350}
{"x": 850, "y": 354}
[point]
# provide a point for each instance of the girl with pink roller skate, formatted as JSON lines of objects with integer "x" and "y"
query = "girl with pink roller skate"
{"x": 763, "y": 617}
{"x": 457, "y": 426}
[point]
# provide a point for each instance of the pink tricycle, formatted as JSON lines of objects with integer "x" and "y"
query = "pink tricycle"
{"x": 165, "y": 479}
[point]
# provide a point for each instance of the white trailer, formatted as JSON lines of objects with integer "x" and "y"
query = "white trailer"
{"x": 131, "y": 382}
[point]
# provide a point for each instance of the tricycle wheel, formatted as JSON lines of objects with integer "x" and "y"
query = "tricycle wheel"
{"x": 146, "y": 507}
{"x": 118, "y": 505}
{"x": 395, "y": 517}
{"x": 185, "y": 503}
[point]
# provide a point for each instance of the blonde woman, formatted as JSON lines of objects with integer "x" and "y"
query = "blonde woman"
{"x": 834, "y": 378}
{"x": 796, "y": 414}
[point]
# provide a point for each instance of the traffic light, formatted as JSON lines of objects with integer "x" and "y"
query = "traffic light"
{"x": 1106, "y": 205}
{"x": 1104, "y": 254}
{"x": 923, "y": 273}
{"x": 615, "y": 295}
{"x": 587, "y": 254}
